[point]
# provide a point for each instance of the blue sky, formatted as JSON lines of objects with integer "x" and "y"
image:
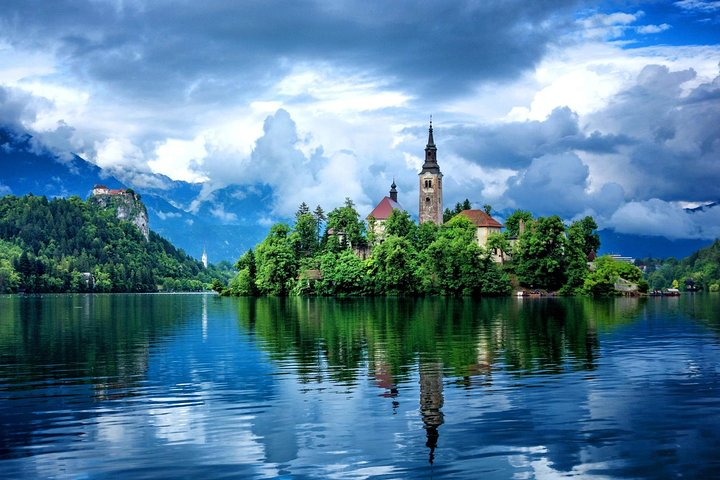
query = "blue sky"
{"x": 570, "y": 107}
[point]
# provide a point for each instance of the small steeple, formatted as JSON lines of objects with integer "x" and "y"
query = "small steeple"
{"x": 431, "y": 140}
{"x": 430, "y": 164}
{"x": 393, "y": 191}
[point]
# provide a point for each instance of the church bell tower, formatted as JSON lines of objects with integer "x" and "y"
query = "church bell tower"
{"x": 431, "y": 209}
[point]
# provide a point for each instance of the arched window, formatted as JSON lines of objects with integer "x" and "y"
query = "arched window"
{"x": 427, "y": 199}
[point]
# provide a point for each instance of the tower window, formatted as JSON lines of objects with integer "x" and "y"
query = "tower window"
{"x": 427, "y": 199}
{"x": 428, "y": 183}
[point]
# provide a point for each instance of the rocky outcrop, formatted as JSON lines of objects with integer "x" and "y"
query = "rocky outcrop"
{"x": 127, "y": 206}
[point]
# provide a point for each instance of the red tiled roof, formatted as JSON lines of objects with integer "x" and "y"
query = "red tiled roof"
{"x": 385, "y": 208}
{"x": 117, "y": 191}
{"x": 480, "y": 218}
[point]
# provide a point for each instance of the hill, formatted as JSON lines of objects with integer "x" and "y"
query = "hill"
{"x": 71, "y": 245}
{"x": 227, "y": 221}
{"x": 701, "y": 269}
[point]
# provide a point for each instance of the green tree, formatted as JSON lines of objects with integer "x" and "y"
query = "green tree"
{"x": 305, "y": 234}
{"x": 582, "y": 242}
{"x": 600, "y": 282}
{"x": 346, "y": 224}
{"x": 539, "y": 258}
{"x": 276, "y": 262}
{"x": 498, "y": 244}
{"x": 515, "y": 220}
{"x": 454, "y": 264}
{"x": 244, "y": 283}
{"x": 343, "y": 273}
{"x": 426, "y": 234}
{"x": 400, "y": 224}
{"x": 459, "y": 207}
{"x": 393, "y": 267}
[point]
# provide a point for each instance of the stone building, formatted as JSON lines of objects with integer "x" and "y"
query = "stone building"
{"x": 376, "y": 219}
{"x": 484, "y": 224}
{"x": 430, "y": 195}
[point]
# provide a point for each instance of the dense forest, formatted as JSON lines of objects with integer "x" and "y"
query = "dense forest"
{"x": 351, "y": 259}
{"x": 700, "y": 271}
{"x": 71, "y": 245}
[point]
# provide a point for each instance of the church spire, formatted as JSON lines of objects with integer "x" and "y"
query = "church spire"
{"x": 393, "y": 191}
{"x": 430, "y": 164}
{"x": 431, "y": 141}
{"x": 430, "y": 208}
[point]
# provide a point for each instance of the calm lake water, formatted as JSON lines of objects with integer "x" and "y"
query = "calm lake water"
{"x": 197, "y": 386}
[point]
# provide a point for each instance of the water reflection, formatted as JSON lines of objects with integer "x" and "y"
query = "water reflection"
{"x": 178, "y": 385}
{"x": 90, "y": 348}
{"x": 436, "y": 339}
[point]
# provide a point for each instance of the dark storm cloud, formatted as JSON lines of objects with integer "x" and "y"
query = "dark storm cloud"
{"x": 209, "y": 52}
{"x": 16, "y": 107}
{"x": 678, "y": 150}
{"x": 515, "y": 144}
{"x": 666, "y": 134}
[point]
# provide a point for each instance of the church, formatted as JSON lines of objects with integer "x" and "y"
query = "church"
{"x": 430, "y": 200}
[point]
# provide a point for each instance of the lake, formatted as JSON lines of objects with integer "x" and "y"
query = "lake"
{"x": 198, "y": 386}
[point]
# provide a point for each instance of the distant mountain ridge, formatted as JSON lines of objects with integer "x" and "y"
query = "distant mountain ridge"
{"x": 226, "y": 222}
{"x": 225, "y": 230}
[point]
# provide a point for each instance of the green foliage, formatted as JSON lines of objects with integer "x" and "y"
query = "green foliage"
{"x": 582, "y": 241}
{"x": 540, "y": 254}
{"x": 343, "y": 274}
{"x": 513, "y": 222}
{"x": 276, "y": 262}
{"x": 67, "y": 245}
{"x": 454, "y": 264}
{"x": 499, "y": 245}
{"x": 459, "y": 207}
{"x": 400, "y": 224}
{"x": 305, "y": 234}
{"x": 411, "y": 259}
{"x": 347, "y": 226}
{"x": 393, "y": 267}
{"x": 600, "y": 282}
{"x": 426, "y": 234}
{"x": 244, "y": 283}
{"x": 702, "y": 267}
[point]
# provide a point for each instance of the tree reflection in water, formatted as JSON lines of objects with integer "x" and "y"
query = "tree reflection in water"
{"x": 395, "y": 339}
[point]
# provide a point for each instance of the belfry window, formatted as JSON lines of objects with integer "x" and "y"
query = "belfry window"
{"x": 428, "y": 183}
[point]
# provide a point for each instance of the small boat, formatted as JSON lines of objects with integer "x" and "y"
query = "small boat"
{"x": 671, "y": 292}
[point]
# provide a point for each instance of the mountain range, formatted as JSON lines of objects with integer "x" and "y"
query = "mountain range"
{"x": 226, "y": 221}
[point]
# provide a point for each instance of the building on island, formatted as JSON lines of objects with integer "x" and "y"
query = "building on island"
{"x": 430, "y": 202}
{"x": 484, "y": 224}
{"x": 376, "y": 219}
{"x": 430, "y": 194}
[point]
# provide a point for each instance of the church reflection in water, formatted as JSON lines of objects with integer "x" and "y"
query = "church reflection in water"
{"x": 431, "y": 403}
{"x": 404, "y": 344}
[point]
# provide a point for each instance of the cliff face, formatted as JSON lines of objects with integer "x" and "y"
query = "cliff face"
{"x": 127, "y": 207}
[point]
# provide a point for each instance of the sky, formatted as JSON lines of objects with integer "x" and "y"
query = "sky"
{"x": 564, "y": 107}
